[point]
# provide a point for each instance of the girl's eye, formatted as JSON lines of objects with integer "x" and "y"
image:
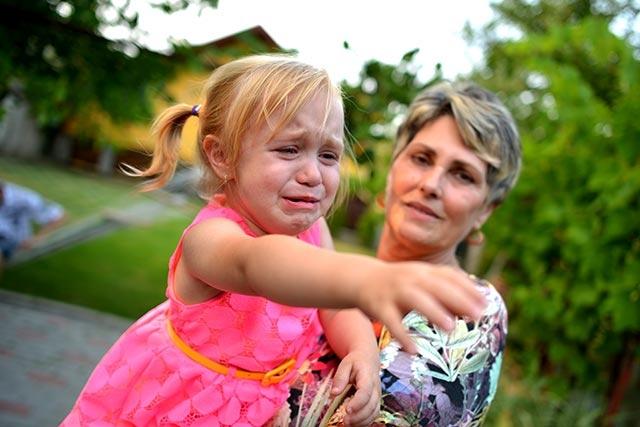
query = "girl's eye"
{"x": 331, "y": 156}
{"x": 287, "y": 150}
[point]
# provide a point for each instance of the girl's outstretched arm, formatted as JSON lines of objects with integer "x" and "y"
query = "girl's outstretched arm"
{"x": 286, "y": 270}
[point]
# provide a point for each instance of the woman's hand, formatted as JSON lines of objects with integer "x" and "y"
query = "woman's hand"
{"x": 437, "y": 292}
{"x": 363, "y": 370}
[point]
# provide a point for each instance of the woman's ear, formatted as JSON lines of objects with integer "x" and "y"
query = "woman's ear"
{"x": 215, "y": 156}
{"x": 484, "y": 216}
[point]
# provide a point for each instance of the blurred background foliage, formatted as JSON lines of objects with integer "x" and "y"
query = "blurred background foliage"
{"x": 564, "y": 249}
{"x": 55, "y": 51}
{"x": 569, "y": 235}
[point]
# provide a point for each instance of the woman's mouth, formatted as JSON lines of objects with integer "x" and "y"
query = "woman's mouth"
{"x": 423, "y": 209}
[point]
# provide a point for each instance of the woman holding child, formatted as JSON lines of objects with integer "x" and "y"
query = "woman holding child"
{"x": 456, "y": 157}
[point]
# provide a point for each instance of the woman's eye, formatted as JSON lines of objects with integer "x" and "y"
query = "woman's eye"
{"x": 420, "y": 159}
{"x": 466, "y": 177}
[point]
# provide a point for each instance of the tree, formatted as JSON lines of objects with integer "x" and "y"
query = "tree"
{"x": 570, "y": 231}
{"x": 54, "y": 50}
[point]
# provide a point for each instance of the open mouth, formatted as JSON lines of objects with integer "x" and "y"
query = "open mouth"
{"x": 302, "y": 199}
{"x": 302, "y": 202}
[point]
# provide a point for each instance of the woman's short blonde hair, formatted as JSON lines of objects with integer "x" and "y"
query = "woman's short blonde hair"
{"x": 485, "y": 124}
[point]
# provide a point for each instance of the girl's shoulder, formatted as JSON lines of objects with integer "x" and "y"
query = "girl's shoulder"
{"x": 215, "y": 210}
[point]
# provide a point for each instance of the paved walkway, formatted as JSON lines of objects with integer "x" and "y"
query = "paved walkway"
{"x": 47, "y": 350}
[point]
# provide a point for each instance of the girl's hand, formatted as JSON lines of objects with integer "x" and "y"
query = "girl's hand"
{"x": 363, "y": 370}
{"x": 438, "y": 292}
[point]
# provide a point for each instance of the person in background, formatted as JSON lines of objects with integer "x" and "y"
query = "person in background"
{"x": 25, "y": 218}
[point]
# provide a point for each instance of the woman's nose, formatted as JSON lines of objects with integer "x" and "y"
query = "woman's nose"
{"x": 431, "y": 182}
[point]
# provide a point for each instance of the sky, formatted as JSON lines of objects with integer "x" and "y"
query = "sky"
{"x": 374, "y": 29}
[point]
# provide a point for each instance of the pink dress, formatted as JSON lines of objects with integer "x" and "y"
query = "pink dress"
{"x": 145, "y": 380}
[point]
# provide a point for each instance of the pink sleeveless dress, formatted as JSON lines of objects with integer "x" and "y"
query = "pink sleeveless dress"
{"x": 145, "y": 380}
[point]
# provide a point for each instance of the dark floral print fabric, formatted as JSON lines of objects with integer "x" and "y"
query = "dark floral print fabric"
{"x": 453, "y": 378}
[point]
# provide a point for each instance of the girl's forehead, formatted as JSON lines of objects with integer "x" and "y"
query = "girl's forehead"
{"x": 317, "y": 113}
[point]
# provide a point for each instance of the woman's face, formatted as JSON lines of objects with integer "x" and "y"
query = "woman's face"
{"x": 436, "y": 193}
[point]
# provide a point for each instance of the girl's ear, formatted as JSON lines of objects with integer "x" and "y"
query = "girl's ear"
{"x": 215, "y": 156}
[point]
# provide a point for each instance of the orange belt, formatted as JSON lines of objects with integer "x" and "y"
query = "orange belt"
{"x": 274, "y": 376}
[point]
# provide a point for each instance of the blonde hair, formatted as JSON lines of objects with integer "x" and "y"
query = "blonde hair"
{"x": 237, "y": 96}
{"x": 485, "y": 124}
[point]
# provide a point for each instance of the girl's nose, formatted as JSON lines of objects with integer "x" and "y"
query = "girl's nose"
{"x": 309, "y": 173}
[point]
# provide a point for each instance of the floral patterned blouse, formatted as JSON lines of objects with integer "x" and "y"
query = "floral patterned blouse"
{"x": 450, "y": 382}
{"x": 453, "y": 378}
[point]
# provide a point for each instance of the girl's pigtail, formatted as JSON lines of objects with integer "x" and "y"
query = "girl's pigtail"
{"x": 167, "y": 133}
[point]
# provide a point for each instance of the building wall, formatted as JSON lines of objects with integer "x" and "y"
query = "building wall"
{"x": 185, "y": 88}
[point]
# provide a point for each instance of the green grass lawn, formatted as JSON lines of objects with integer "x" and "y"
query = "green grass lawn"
{"x": 122, "y": 273}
